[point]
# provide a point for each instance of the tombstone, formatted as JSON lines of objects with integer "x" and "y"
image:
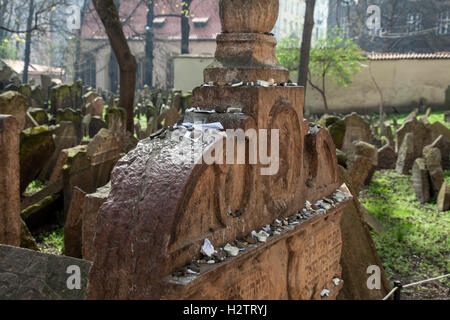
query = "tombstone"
{"x": 95, "y": 125}
{"x": 443, "y": 145}
{"x": 76, "y": 91}
{"x": 46, "y": 82}
{"x": 447, "y": 97}
{"x": 422, "y": 136}
{"x": 421, "y": 181}
{"x": 61, "y": 98}
{"x": 406, "y": 155}
{"x": 36, "y": 148}
{"x": 97, "y": 107}
{"x": 387, "y": 130}
{"x": 30, "y": 275}
{"x": 40, "y": 115}
{"x": 73, "y": 116}
{"x": 15, "y": 104}
{"x": 387, "y": 158}
{"x": 73, "y": 225}
{"x": 165, "y": 210}
{"x": 362, "y": 173}
{"x": 447, "y": 116}
{"x": 37, "y": 99}
{"x": 437, "y": 129}
{"x": 434, "y": 166}
{"x": 9, "y": 181}
{"x": 65, "y": 137}
{"x": 356, "y": 129}
{"x": 5, "y": 74}
{"x": 443, "y": 200}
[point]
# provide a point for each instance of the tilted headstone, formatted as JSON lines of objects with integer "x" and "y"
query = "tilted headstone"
{"x": 406, "y": 155}
{"x": 95, "y": 125}
{"x": 421, "y": 181}
{"x": 9, "y": 181}
{"x": 443, "y": 200}
{"x": 447, "y": 116}
{"x": 164, "y": 209}
{"x": 31, "y": 275}
{"x": 434, "y": 166}
{"x": 422, "y": 136}
{"x": 443, "y": 145}
{"x": 387, "y": 158}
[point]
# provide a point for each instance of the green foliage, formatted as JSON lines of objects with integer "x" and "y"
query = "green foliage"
{"x": 288, "y": 53}
{"x": 35, "y": 186}
{"x": 7, "y": 50}
{"x": 415, "y": 244}
{"x": 52, "y": 242}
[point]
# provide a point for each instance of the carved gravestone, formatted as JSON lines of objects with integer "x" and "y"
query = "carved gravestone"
{"x": 31, "y": 275}
{"x": 9, "y": 181}
{"x": 356, "y": 129}
{"x": 443, "y": 200}
{"x": 422, "y": 136}
{"x": 166, "y": 206}
{"x": 15, "y": 104}
{"x": 443, "y": 145}
{"x": 434, "y": 166}
{"x": 406, "y": 155}
{"x": 447, "y": 116}
{"x": 387, "y": 158}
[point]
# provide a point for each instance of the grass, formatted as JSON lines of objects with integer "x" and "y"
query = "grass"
{"x": 434, "y": 116}
{"x": 52, "y": 242}
{"x": 415, "y": 244}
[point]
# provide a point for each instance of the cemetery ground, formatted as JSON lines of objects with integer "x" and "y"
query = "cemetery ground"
{"x": 414, "y": 244}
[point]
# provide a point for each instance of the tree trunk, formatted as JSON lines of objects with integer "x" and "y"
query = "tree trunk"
{"x": 76, "y": 65}
{"x": 149, "y": 46}
{"x": 109, "y": 15}
{"x": 28, "y": 42}
{"x": 306, "y": 43}
{"x": 185, "y": 27}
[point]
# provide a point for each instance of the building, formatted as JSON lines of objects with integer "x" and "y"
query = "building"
{"x": 100, "y": 68}
{"x": 292, "y": 16}
{"x": 420, "y": 26}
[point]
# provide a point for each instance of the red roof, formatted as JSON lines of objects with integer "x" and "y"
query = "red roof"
{"x": 408, "y": 56}
{"x": 133, "y": 14}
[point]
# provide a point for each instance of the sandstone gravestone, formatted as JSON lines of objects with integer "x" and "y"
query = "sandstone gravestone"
{"x": 95, "y": 125}
{"x": 72, "y": 227}
{"x": 437, "y": 129}
{"x": 97, "y": 107}
{"x": 421, "y": 181}
{"x": 443, "y": 200}
{"x": 9, "y": 181}
{"x": 360, "y": 170}
{"x": 15, "y": 104}
{"x": 30, "y": 275}
{"x": 422, "y": 136}
{"x": 168, "y": 211}
{"x": 406, "y": 155}
{"x": 434, "y": 166}
{"x": 387, "y": 158}
{"x": 447, "y": 116}
{"x": 356, "y": 129}
{"x": 443, "y": 145}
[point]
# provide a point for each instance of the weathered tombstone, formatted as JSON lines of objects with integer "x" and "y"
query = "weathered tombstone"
{"x": 73, "y": 116}
{"x": 165, "y": 210}
{"x": 437, "y": 129}
{"x": 60, "y": 98}
{"x": 9, "y": 181}
{"x": 97, "y": 107}
{"x": 421, "y": 181}
{"x": 387, "y": 158}
{"x": 422, "y": 136}
{"x": 46, "y": 82}
{"x": 37, "y": 99}
{"x": 36, "y": 148}
{"x": 356, "y": 129}
{"x": 406, "y": 155}
{"x": 362, "y": 171}
{"x": 40, "y": 115}
{"x": 443, "y": 200}
{"x": 443, "y": 145}
{"x": 15, "y": 104}
{"x": 31, "y": 275}
{"x": 72, "y": 227}
{"x": 447, "y": 116}
{"x": 434, "y": 166}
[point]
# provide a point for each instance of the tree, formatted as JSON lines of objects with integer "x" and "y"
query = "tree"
{"x": 109, "y": 15}
{"x": 306, "y": 43}
{"x": 185, "y": 27}
{"x": 334, "y": 59}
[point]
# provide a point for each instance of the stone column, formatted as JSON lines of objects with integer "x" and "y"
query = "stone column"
{"x": 9, "y": 181}
{"x": 246, "y": 48}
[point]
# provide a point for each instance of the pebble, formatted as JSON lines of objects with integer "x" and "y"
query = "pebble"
{"x": 211, "y": 262}
{"x": 207, "y": 249}
{"x": 231, "y": 251}
{"x": 234, "y": 110}
{"x": 336, "y": 281}
{"x": 325, "y": 293}
{"x": 262, "y": 83}
{"x": 262, "y": 236}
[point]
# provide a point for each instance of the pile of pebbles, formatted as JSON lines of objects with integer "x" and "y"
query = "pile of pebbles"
{"x": 211, "y": 255}
{"x": 259, "y": 83}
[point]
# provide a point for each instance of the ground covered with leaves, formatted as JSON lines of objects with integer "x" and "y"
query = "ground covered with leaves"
{"x": 415, "y": 243}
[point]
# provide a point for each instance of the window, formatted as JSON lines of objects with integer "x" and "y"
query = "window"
{"x": 414, "y": 22}
{"x": 88, "y": 71}
{"x": 443, "y": 25}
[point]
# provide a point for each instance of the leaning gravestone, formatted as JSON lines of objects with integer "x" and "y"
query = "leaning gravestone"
{"x": 443, "y": 200}
{"x": 164, "y": 209}
{"x": 9, "y": 182}
{"x": 443, "y": 145}
{"x": 447, "y": 116}
{"x": 356, "y": 129}
{"x": 422, "y": 136}
{"x": 406, "y": 155}
{"x": 421, "y": 181}
{"x": 30, "y": 275}
{"x": 387, "y": 157}
{"x": 434, "y": 166}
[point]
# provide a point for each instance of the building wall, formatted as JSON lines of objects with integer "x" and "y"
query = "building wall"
{"x": 188, "y": 70}
{"x": 404, "y": 84}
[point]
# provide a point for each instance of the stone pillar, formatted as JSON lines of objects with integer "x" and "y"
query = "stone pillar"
{"x": 9, "y": 181}
{"x": 246, "y": 48}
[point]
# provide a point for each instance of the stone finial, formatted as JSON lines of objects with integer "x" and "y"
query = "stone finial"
{"x": 248, "y": 16}
{"x": 245, "y": 48}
